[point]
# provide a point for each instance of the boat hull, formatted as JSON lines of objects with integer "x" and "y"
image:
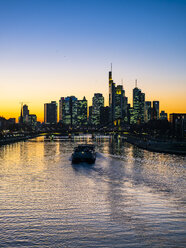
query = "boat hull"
{"x": 84, "y": 153}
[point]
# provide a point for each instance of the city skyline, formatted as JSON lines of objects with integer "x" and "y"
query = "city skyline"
{"x": 89, "y": 103}
{"x": 65, "y": 48}
{"x": 73, "y": 112}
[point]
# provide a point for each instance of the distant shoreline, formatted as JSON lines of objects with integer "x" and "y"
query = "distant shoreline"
{"x": 171, "y": 147}
{"x": 15, "y": 139}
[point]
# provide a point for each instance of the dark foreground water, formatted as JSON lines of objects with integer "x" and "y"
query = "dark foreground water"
{"x": 129, "y": 198}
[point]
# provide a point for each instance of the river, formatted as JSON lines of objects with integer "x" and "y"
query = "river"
{"x": 129, "y": 198}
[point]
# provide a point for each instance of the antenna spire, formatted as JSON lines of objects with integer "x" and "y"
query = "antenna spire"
{"x": 111, "y": 67}
{"x": 136, "y": 81}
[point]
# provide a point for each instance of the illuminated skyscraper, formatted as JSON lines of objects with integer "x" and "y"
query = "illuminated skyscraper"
{"x": 138, "y": 106}
{"x": 156, "y": 110}
{"x": 50, "y": 113}
{"x": 119, "y": 102}
{"x": 97, "y": 103}
{"x": 82, "y": 112}
{"x": 69, "y": 108}
{"x": 111, "y": 96}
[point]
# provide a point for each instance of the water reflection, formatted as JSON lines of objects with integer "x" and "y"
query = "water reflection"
{"x": 128, "y": 198}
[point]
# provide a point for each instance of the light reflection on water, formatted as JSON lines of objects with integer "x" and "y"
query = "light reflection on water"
{"x": 129, "y": 198}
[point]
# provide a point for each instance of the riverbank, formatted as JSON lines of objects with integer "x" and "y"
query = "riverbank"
{"x": 170, "y": 146}
{"x": 14, "y": 139}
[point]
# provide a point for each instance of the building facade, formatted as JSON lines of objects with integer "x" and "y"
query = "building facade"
{"x": 25, "y": 112}
{"x": 61, "y": 108}
{"x": 138, "y": 106}
{"x": 82, "y": 112}
{"x": 119, "y": 102}
{"x": 68, "y": 108}
{"x": 97, "y": 103}
{"x": 163, "y": 115}
{"x": 104, "y": 115}
{"x": 31, "y": 120}
{"x": 50, "y": 113}
{"x": 178, "y": 124}
{"x": 111, "y": 97}
{"x": 156, "y": 110}
{"x": 147, "y": 114}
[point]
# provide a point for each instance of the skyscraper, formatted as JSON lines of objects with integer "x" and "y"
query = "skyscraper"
{"x": 21, "y": 115}
{"x": 126, "y": 109}
{"x": 31, "y": 120}
{"x": 61, "y": 108}
{"x": 82, "y": 112}
{"x": 104, "y": 115}
{"x": 156, "y": 110}
{"x": 25, "y": 112}
{"x": 90, "y": 116}
{"x": 97, "y": 103}
{"x": 111, "y": 97}
{"x": 147, "y": 116}
{"x": 163, "y": 115}
{"x": 119, "y": 102}
{"x": 138, "y": 106}
{"x": 50, "y": 113}
{"x": 68, "y": 110}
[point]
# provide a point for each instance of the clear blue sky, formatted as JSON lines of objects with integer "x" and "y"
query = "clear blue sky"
{"x": 55, "y": 48}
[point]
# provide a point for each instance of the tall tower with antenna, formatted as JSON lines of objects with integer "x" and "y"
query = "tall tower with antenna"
{"x": 136, "y": 82}
{"x": 138, "y": 105}
{"x": 112, "y": 92}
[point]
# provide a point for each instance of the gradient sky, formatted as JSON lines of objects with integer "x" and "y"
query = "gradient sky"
{"x": 55, "y": 48}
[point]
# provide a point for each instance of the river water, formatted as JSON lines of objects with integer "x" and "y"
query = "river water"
{"x": 129, "y": 198}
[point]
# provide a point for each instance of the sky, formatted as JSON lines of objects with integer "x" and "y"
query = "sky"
{"x": 57, "y": 48}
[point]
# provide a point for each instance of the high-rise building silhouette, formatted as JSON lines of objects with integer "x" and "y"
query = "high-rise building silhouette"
{"x": 97, "y": 103}
{"x": 138, "y": 106}
{"x": 119, "y": 102}
{"x": 31, "y": 119}
{"x": 69, "y": 110}
{"x": 50, "y": 113}
{"x": 178, "y": 124}
{"x": 104, "y": 115}
{"x": 73, "y": 112}
{"x": 82, "y": 112}
{"x": 111, "y": 96}
{"x": 21, "y": 115}
{"x": 156, "y": 110}
{"x": 126, "y": 109}
{"x": 25, "y": 112}
{"x": 61, "y": 108}
{"x": 163, "y": 115}
{"x": 147, "y": 114}
{"x": 90, "y": 116}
